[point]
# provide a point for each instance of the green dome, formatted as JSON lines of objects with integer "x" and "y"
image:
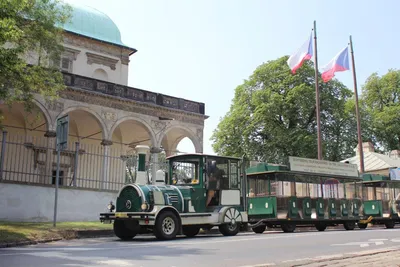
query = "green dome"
{"x": 92, "y": 23}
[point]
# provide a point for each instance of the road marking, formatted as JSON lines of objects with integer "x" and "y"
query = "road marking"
{"x": 377, "y": 242}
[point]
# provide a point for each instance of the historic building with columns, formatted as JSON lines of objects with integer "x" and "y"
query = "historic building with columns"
{"x": 107, "y": 118}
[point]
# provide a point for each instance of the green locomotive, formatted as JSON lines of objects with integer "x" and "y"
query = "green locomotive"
{"x": 200, "y": 191}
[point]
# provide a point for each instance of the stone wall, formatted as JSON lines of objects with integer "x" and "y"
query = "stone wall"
{"x": 36, "y": 203}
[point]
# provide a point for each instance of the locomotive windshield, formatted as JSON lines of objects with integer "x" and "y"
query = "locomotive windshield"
{"x": 185, "y": 171}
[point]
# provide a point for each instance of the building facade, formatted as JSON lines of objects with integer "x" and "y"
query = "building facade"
{"x": 107, "y": 118}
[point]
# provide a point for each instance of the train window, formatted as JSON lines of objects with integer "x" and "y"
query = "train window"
{"x": 185, "y": 172}
{"x": 368, "y": 193}
{"x": 331, "y": 188}
{"x": 358, "y": 191}
{"x": 302, "y": 186}
{"x": 233, "y": 175}
{"x": 341, "y": 188}
{"x": 350, "y": 190}
{"x": 382, "y": 193}
{"x": 262, "y": 185}
{"x": 217, "y": 173}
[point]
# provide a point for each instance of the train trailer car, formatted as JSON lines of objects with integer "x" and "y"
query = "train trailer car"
{"x": 381, "y": 201}
{"x": 310, "y": 193}
{"x": 200, "y": 191}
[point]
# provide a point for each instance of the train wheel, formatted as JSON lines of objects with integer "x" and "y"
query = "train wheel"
{"x": 122, "y": 231}
{"x": 362, "y": 225}
{"x": 190, "y": 231}
{"x": 288, "y": 227}
{"x": 389, "y": 224}
{"x": 350, "y": 225}
{"x": 320, "y": 226}
{"x": 259, "y": 229}
{"x": 166, "y": 226}
{"x": 231, "y": 222}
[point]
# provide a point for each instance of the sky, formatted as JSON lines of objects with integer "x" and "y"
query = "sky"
{"x": 202, "y": 50}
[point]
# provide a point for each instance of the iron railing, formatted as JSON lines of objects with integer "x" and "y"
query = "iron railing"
{"x": 33, "y": 160}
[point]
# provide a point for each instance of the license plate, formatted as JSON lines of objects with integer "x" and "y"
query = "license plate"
{"x": 121, "y": 215}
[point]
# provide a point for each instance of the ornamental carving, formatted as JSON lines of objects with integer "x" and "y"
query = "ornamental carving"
{"x": 55, "y": 105}
{"x": 84, "y": 83}
{"x": 50, "y": 134}
{"x": 170, "y": 102}
{"x": 106, "y": 142}
{"x": 101, "y": 60}
{"x": 199, "y": 133}
{"x": 159, "y": 125}
{"x": 101, "y": 87}
{"x": 130, "y": 106}
{"x": 109, "y": 116}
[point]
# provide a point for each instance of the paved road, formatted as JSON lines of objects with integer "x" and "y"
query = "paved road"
{"x": 246, "y": 249}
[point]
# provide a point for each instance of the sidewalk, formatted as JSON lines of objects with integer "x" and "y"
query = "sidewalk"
{"x": 388, "y": 257}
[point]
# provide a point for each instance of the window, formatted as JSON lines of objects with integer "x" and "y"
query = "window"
{"x": 234, "y": 175}
{"x": 217, "y": 174}
{"x": 262, "y": 185}
{"x": 64, "y": 63}
{"x": 61, "y": 177}
{"x": 185, "y": 172}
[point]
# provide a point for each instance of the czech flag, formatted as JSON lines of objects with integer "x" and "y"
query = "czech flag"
{"x": 339, "y": 63}
{"x": 305, "y": 52}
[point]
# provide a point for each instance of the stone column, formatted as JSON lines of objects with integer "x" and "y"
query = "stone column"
{"x": 46, "y": 177}
{"x": 106, "y": 164}
{"x": 141, "y": 173}
{"x": 154, "y": 167}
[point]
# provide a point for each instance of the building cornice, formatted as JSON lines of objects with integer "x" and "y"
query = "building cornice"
{"x": 101, "y": 60}
{"x": 98, "y": 46}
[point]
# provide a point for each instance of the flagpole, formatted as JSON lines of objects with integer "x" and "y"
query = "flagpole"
{"x": 360, "y": 148}
{"x": 317, "y": 102}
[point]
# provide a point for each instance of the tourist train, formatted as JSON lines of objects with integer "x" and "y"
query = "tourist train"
{"x": 202, "y": 191}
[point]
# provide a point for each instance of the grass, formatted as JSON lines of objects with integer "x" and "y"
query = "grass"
{"x": 28, "y": 231}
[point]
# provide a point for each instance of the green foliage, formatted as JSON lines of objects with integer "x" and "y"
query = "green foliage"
{"x": 29, "y": 42}
{"x": 273, "y": 116}
{"x": 381, "y": 101}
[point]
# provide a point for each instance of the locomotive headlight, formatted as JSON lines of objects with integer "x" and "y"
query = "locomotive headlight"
{"x": 144, "y": 206}
{"x": 111, "y": 206}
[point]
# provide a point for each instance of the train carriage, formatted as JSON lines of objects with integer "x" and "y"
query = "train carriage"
{"x": 381, "y": 201}
{"x": 281, "y": 197}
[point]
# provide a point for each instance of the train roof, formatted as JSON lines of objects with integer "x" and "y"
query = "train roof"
{"x": 396, "y": 183}
{"x": 324, "y": 175}
{"x": 200, "y": 154}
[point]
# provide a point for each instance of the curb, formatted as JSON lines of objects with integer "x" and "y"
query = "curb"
{"x": 27, "y": 243}
{"x": 67, "y": 235}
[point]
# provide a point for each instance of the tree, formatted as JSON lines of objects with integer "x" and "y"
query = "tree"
{"x": 273, "y": 116}
{"x": 29, "y": 41}
{"x": 381, "y": 97}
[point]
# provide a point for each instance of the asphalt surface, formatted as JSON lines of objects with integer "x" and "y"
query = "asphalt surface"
{"x": 246, "y": 249}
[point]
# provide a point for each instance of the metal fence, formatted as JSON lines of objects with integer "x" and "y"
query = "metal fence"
{"x": 33, "y": 160}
